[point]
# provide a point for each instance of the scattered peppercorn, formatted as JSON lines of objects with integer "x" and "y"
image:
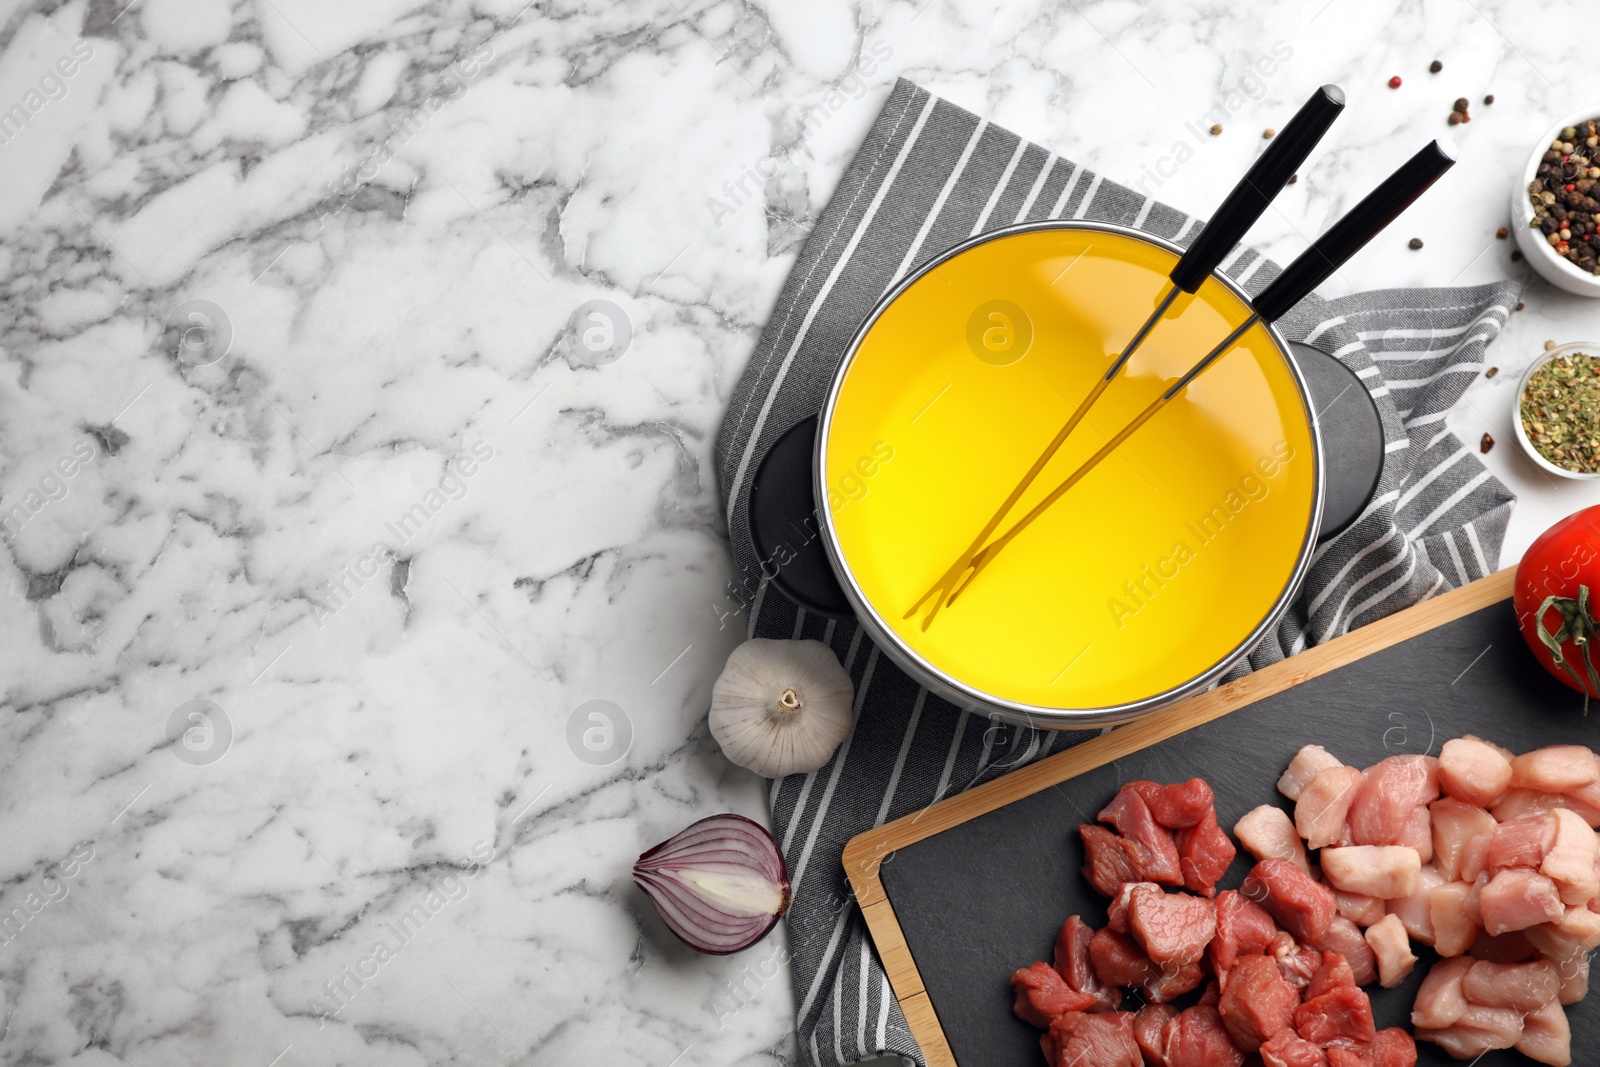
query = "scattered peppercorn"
{"x": 1268, "y": 133}
{"x": 1560, "y": 412}
{"x": 1293, "y": 178}
{"x": 1486, "y": 444}
{"x": 1462, "y": 103}
{"x": 1456, "y": 118}
{"x": 1488, "y": 99}
{"x": 1216, "y": 128}
{"x": 1548, "y": 345}
{"x": 1414, "y": 244}
{"x": 1394, "y": 82}
{"x": 1491, "y": 372}
{"x": 1516, "y": 255}
{"x": 1564, "y": 209}
{"x": 1502, "y": 233}
{"x": 1435, "y": 67}
{"x": 1520, "y": 306}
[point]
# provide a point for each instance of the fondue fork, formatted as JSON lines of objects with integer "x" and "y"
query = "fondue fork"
{"x": 1244, "y": 205}
{"x": 1309, "y": 270}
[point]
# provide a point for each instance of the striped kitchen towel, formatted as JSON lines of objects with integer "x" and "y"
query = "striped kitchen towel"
{"x": 928, "y": 176}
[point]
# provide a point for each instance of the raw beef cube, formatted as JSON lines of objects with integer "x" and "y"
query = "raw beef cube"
{"x": 1577, "y": 933}
{"x": 1243, "y": 929}
{"x": 1163, "y": 987}
{"x": 1288, "y": 1049}
{"x": 1547, "y": 1036}
{"x": 1103, "y": 1040}
{"x": 1204, "y": 853}
{"x": 1476, "y": 1032}
{"x": 1132, "y": 818}
{"x": 1118, "y": 960}
{"x": 1453, "y": 917}
{"x": 1117, "y": 910}
{"x": 1517, "y": 899}
{"x": 1172, "y": 928}
{"x": 1570, "y": 862}
{"x": 1306, "y": 765}
{"x": 1112, "y": 859}
{"x": 1197, "y": 1038}
{"x": 1332, "y": 972}
{"x": 1178, "y": 806}
{"x": 1042, "y": 994}
{"x": 1474, "y": 771}
{"x": 1359, "y": 908}
{"x": 1268, "y": 833}
{"x": 1521, "y": 843}
{"x": 1455, "y": 822}
{"x": 1386, "y": 871}
{"x": 1320, "y": 812}
{"x": 1440, "y": 1001}
{"x": 1574, "y": 975}
{"x": 1302, "y": 906}
{"x": 1342, "y": 1015}
{"x": 1554, "y": 769}
{"x": 1523, "y": 986}
{"x": 1393, "y": 788}
{"x": 1296, "y": 963}
{"x": 1344, "y": 1056}
{"x": 1345, "y": 938}
{"x": 1073, "y": 964}
{"x": 1413, "y": 910}
{"x": 1394, "y": 1048}
{"x": 1149, "y": 1030}
{"x": 1256, "y": 1002}
{"x": 1392, "y": 946}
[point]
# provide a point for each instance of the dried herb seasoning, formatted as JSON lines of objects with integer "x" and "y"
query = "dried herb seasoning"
{"x": 1561, "y": 412}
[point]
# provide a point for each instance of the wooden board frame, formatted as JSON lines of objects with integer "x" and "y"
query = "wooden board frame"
{"x": 864, "y": 853}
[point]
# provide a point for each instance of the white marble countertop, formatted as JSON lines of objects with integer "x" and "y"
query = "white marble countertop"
{"x": 384, "y": 522}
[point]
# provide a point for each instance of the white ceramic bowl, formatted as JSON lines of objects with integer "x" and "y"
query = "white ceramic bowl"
{"x": 1532, "y": 453}
{"x": 1535, "y": 247}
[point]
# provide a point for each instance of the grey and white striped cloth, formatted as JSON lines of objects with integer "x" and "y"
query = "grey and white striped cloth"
{"x": 929, "y": 175}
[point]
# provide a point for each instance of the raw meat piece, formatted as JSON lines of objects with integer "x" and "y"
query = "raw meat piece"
{"x": 1104, "y": 1040}
{"x": 1342, "y": 1015}
{"x": 1474, "y": 771}
{"x": 1554, "y": 769}
{"x": 1570, "y": 862}
{"x": 1042, "y": 994}
{"x": 1506, "y": 948}
{"x": 1359, "y": 908}
{"x": 1476, "y": 1032}
{"x": 1574, "y": 976}
{"x": 1204, "y": 853}
{"x": 1131, "y": 816}
{"x": 1149, "y": 1030}
{"x": 1453, "y": 917}
{"x": 1166, "y": 986}
{"x": 1521, "y": 843}
{"x": 1268, "y": 833}
{"x": 1243, "y": 929}
{"x": 1517, "y": 899}
{"x": 1417, "y": 833}
{"x": 1295, "y": 963}
{"x": 1547, "y": 1036}
{"x": 1288, "y": 1049}
{"x": 1112, "y": 859}
{"x": 1333, "y": 971}
{"x": 1586, "y": 801}
{"x": 1343, "y": 1056}
{"x": 1455, "y": 822}
{"x": 1172, "y": 928}
{"x": 1523, "y": 986}
{"x": 1306, "y": 765}
{"x": 1324, "y": 803}
{"x": 1520, "y": 803}
{"x": 1302, "y": 906}
{"x": 1474, "y": 856}
{"x": 1212, "y": 994}
{"x": 1197, "y": 1038}
{"x": 1118, "y": 960}
{"x": 1073, "y": 964}
{"x": 1413, "y": 910}
{"x": 1346, "y": 939}
{"x": 1394, "y": 1048}
{"x": 1385, "y": 871}
{"x": 1393, "y": 948}
{"x": 1393, "y": 788}
{"x": 1117, "y": 910}
{"x": 1256, "y": 1002}
{"x": 1576, "y": 934}
{"x": 1178, "y": 806}
{"x": 1440, "y": 1001}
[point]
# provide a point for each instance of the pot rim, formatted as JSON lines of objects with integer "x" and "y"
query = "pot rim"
{"x": 964, "y": 694}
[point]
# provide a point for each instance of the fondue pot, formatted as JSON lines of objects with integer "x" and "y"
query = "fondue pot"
{"x": 1167, "y": 557}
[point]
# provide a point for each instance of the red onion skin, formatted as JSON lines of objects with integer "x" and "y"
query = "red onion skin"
{"x": 732, "y": 837}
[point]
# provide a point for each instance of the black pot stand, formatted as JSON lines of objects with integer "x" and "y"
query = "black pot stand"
{"x": 786, "y": 526}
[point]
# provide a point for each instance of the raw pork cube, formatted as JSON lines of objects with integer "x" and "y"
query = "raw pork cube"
{"x": 1172, "y": 928}
{"x": 1517, "y": 899}
{"x": 1574, "y": 975}
{"x": 1576, "y": 934}
{"x": 1476, "y": 1032}
{"x": 1385, "y": 871}
{"x": 1320, "y": 812}
{"x": 1554, "y": 769}
{"x": 1414, "y": 910}
{"x": 1267, "y": 832}
{"x": 1440, "y": 1000}
{"x": 1455, "y": 822}
{"x": 1521, "y": 803}
{"x": 1256, "y": 1002}
{"x": 1393, "y": 948}
{"x": 1523, "y": 986}
{"x": 1393, "y": 789}
{"x": 1521, "y": 843}
{"x": 1306, "y": 765}
{"x": 1302, "y": 906}
{"x": 1345, "y": 938}
{"x": 1453, "y": 917}
{"x": 1570, "y": 863}
{"x": 1546, "y": 1036}
{"x": 1042, "y": 995}
{"x": 1360, "y": 908}
{"x": 1474, "y": 771}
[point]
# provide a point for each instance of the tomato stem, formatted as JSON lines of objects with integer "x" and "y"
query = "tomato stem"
{"x": 1578, "y": 625}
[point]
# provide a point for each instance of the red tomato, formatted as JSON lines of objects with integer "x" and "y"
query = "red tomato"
{"x": 1558, "y": 600}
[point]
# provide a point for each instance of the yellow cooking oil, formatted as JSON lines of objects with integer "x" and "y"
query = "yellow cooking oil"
{"x": 1148, "y": 572}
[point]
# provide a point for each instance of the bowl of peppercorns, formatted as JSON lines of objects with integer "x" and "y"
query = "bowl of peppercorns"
{"x": 1555, "y": 212}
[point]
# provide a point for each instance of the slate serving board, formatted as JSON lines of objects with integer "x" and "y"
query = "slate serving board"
{"x": 987, "y": 896}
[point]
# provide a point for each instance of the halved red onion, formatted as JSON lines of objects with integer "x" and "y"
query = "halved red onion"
{"x": 720, "y": 884}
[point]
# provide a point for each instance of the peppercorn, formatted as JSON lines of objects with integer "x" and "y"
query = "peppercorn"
{"x": 1216, "y": 128}
{"x": 1486, "y": 444}
{"x": 1435, "y": 67}
{"x": 1502, "y": 233}
{"x": 1415, "y": 243}
{"x": 1488, "y": 99}
{"x": 1268, "y": 133}
{"x": 1462, "y": 104}
{"x": 1456, "y": 118}
{"x": 1293, "y": 178}
{"x": 1394, "y": 82}
{"x": 1491, "y": 372}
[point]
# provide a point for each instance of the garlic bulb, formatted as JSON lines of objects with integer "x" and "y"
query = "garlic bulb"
{"x": 781, "y": 706}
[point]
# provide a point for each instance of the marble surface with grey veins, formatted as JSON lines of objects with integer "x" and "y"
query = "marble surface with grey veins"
{"x": 363, "y": 598}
